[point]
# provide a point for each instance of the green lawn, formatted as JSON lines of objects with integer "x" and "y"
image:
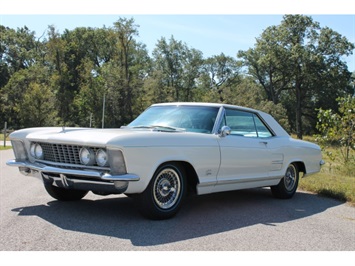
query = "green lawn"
{"x": 335, "y": 186}
{"x": 2, "y": 137}
{"x": 2, "y": 143}
{"x": 2, "y": 148}
{"x": 335, "y": 180}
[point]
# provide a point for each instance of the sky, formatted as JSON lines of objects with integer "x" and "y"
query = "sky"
{"x": 210, "y": 29}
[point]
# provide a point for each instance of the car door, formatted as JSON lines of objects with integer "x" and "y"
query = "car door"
{"x": 245, "y": 156}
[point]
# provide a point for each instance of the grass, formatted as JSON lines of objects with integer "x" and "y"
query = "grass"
{"x": 329, "y": 185}
{"x": 2, "y": 137}
{"x": 2, "y": 148}
{"x": 335, "y": 180}
{"x": 2, "y": 142}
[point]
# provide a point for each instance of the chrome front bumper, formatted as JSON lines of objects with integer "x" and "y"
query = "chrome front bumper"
{"x": 77, "y": 179}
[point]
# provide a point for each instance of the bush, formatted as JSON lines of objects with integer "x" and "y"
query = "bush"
{"x": 338, "y": 129}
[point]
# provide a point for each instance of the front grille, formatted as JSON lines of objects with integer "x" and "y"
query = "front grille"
{"x": 62, "y": 153}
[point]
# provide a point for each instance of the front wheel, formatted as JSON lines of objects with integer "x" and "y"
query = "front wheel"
{"x": 63, "y": 194}
{"x": 163, "y": 197}
{"x": 288, "y": 184}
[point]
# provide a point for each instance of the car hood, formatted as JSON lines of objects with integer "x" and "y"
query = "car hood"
{"x": 84, "y": 136}
{"x": 108, "y": 137}
{"x": 69, "y": 135}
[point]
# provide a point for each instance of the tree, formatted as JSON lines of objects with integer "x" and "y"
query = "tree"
{"x": 339, "y": 128}
{"x": 18, "y": 49}
{"x": 4, "y": 66}
{"x": 37, "y": 108}
{"x": 19, "y": 52}
{"x": 218, "y": 71}
{"x": 74, "y": 49}
{"x": 125, "y": 30}
{"x": 192, "y": 62}
{"x": 247, "y": 93}
{"x": 11, "y": 94}
{"x": 178, "y": 67}
{"x": 19, "y": 87}
{"x": 300, "y": 62}
{"x": 125, "y": 73}
{"x": 88, "y": 101}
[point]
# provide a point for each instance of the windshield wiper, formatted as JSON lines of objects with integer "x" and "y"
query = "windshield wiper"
{"x": 161, "y": 128}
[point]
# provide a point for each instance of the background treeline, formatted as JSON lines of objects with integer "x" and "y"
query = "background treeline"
{"x": 294, "y": 69}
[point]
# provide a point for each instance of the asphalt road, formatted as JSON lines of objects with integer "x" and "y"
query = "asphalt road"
{"x": 248, "y": 220}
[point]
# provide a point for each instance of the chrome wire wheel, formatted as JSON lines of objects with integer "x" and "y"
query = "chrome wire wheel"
{"x": 290, "y": 178}
{"x": 166, "y": 191}
{"x": 167, "y": 188}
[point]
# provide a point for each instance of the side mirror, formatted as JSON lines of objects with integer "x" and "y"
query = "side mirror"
{"x": 225, "y": 131}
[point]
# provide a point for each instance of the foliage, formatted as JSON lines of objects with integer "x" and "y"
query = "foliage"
{"x": 220, "y": 73}
{"x": 338, "y": 129}
{"x": 335, "y": 179}
{"x": 178, "y": 67}
{"x": 37, "y": 108}
{"x": 66, "y": 78}
{"x": 299, "y": 64}
{"x": 247, "y": 93}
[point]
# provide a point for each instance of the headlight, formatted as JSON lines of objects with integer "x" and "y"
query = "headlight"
{"x": 101, "y": 158}
{"x": 32, "y": 149}
{"x": 36, "y": 151}
{"x": 39, "y": 152}
{"x": 87, "y": 156}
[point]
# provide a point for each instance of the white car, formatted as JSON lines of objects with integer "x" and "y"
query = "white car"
{"x": 167, "y": 151}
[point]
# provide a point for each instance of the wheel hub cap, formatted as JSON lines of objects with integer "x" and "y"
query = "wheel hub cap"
{"x": 290, "y": 178}
{"x": 167, "y": 188}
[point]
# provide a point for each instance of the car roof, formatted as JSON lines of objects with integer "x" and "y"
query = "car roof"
{"x": 208, "y": 105}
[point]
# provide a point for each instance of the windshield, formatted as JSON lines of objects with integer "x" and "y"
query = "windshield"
{"x": 189, "y": 118}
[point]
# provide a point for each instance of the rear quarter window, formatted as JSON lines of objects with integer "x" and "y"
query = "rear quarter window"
{"x": 246, "y": 124}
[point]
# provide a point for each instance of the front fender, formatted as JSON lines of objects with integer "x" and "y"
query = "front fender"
{"x": 144, "y": 161}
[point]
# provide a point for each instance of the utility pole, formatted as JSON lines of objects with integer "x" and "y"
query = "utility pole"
{"x": 5, "y": 133}
{"x": 103, "y": 111}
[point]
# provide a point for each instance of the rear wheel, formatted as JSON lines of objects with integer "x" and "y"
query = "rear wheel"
{"x": 163, "y": 197}
{"x": 63, "y": 194}
{"x": 288, "y": 184}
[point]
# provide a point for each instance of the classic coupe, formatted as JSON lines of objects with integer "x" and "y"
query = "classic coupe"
{"x": 168, "y": 151}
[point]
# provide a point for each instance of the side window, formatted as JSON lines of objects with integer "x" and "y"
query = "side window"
{"x": 241, "y": 123}
{"x": 245, "y": 124}
{"x": 261, "y": 129}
